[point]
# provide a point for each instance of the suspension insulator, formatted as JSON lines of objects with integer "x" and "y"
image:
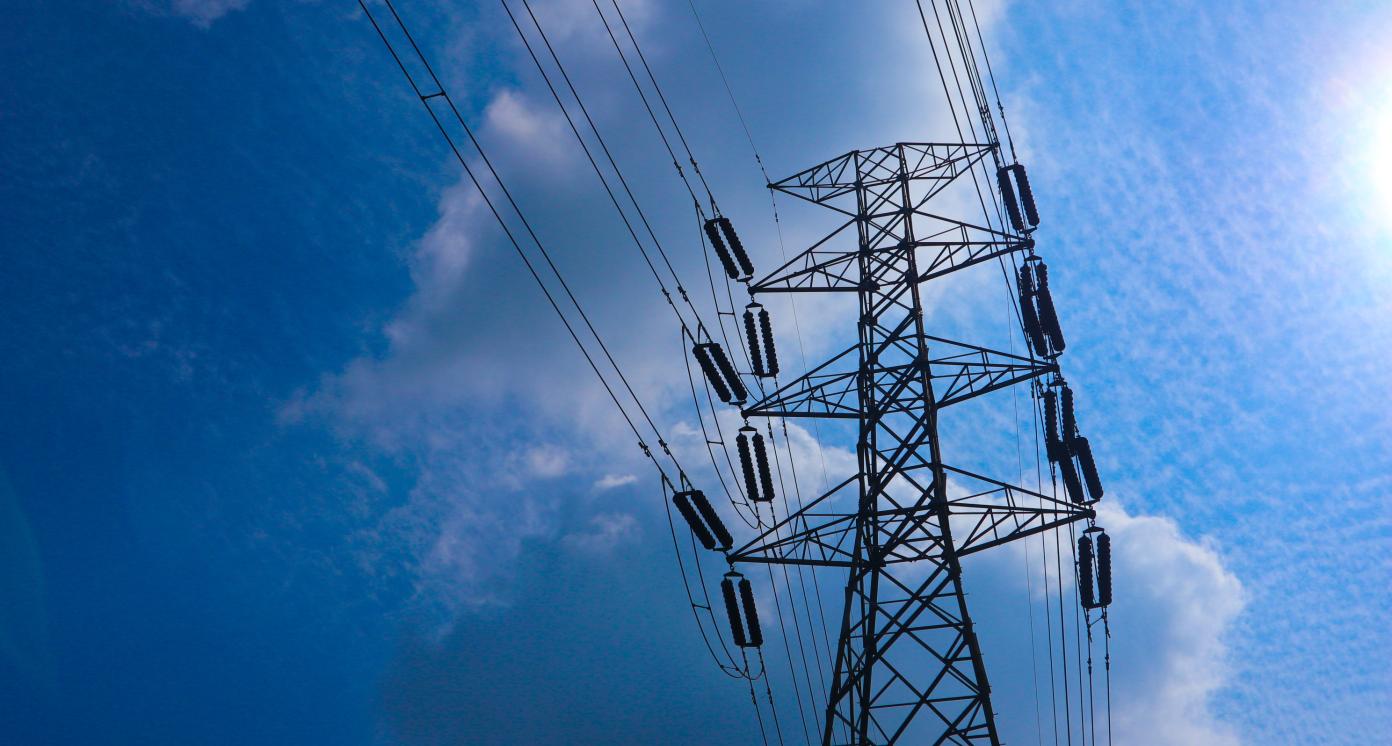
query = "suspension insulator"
{"x": 1085, "y": 560}
{"x": 1026, "y": 194}
{"x": 704, "y": 358}
{"x": 751, "y": 337}
{"x": 723, "y": 539}
{"x": 1012, "y": 208}
{"x": 721, "y": 251}
{"x": 746, "y": 459}
{"x": 765, "y": 474}
{"x": 1071, "y": 484}
{"x": 1025, "y": 281}
{"x": 727, "y": 370}
{"x": 1053, "y": 447}
{"x": 719, "y": 372}
{"x": 753, "y": 456}
{"x": 770, "y": 355}
{"x": 736, "y": 246}
{"x": 698, "y": 527}
{"x": 744, "y": 617}
{"x": 701, "y": 517}
{"x": 1070, "y": 420}
{"x": 1104, "y": 570}
{"x": 1048, "y": 317}
{"x": 1034, "y": 334}
{"x": 1088, "y": 466}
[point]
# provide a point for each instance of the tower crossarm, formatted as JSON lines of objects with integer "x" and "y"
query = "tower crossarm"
{"x": 985, "y": 513}
{"x": 959, "y": 372}
{"x": 829, "y": 181}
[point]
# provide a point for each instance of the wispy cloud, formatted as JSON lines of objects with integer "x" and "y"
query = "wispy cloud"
{"x": 610, "y": 481}
{"x": 606, "y": 532}
{"x": 444, "y": 375}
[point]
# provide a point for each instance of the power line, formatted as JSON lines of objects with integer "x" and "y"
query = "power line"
{"x": 903, "y": 513}
{"x": 437, "y": 92}
{"x": 690, "y": 156}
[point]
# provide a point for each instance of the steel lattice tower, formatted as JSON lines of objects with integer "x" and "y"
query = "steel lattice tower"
{"x": 908, "y": 667}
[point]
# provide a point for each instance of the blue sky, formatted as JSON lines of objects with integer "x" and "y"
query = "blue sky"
{"x": 294, "y": 453}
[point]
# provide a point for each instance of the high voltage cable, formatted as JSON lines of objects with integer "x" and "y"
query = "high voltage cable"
{"x": 985, "y": 114}
{"x": 641, "y": 215}
{"x": 701, "y": 327}
{"x": 676, "y": 163}
{"x": 512, "y": 239}
{"x": 961, "y": 27}
{"x": 758, "y": 159}
{"x": 720, "y": 439}
{"x": 1107, "y": 659}
{"x": 957, "y": 21}
{"x": 971, "y": 5}
{"x": 661, "y": 97}
{"x": 680, "y": 136}
{"x": 667, "y": 482}
{"x": 598, "y": 171}
{"x": 728, "y": 91}
{"x": 1013, "y": 323}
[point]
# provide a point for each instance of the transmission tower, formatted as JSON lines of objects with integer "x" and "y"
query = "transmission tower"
{"x": 908, "y": 665}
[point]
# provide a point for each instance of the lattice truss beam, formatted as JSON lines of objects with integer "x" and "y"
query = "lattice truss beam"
{"x": 908, "y": 666}
{"x": 943, "y": 243}
{"x": 985, "y": 513}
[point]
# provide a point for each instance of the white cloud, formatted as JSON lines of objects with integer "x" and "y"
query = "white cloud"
{"x": 536, "y": 133}
{"x": 547, "y": 461}
{"x": 1174, "y": 610}
{"x": 610, "y": 481}
{"x": 1175, "y": 606}
{"x": 607, "y": 531}
{"x": 1176, "y": 600}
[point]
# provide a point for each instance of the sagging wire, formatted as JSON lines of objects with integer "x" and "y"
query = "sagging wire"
{"x": 710, "y": 276}
{"x": 720, "y": 440}
{"x": 957, "y": 20}
{"x": 633, "y": 233}
{"x": 642, "y": 217}
{"x": 758, "y": 159}
{"x": 439, "y": 92}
